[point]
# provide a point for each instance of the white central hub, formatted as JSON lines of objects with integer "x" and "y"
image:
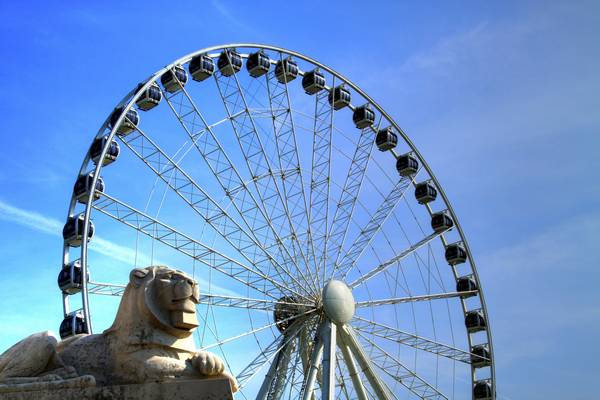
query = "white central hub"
{"x": 338, "y": 302}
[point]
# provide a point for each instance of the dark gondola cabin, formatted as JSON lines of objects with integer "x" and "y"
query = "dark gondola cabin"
{"x": 339, "y": 97}
{"x": 475, "y": 321}
{"x": 149, "y": 98}
{"x": 313, "y": 81}
{"x": 482, "y": 390}
{"x": 174, "y": 79}
{"x": 258, "y": 64}
{"x": 112, "y": 152}
{"x": 407, "y": 165}
{"x": 480, "y": 356}
{"x": 286, "y": 70}
{"x": 441, "y": 221}
{"x": 69, "y": 278}
{"x": 229, "y": 62}
{"x": 73, "y": 324}
{"x": 466, "y": 284}
{"x": 201, "y": 67}
{"x": 73, "y": 231}
{"x": 425, "y": 192}
{"x": 363, "y": 116}
{"x": 386, "y": 139}
{"x": 128, "y": 124}
{"x": 82, "y": 187}
{"x": 455, "y": 253}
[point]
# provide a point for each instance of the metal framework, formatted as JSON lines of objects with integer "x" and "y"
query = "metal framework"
{"x": 343, "y": 295}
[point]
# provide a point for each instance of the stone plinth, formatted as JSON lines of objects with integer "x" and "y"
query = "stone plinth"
{"x": 197, "y": 389}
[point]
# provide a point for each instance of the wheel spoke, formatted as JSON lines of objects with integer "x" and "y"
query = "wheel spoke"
{"x": 202, "y": 203}
{"x": 253, "y": 331}
{"x": 105, "y": 289}
{"x": 248, "y": 303}
{"x": 287, "y": 151}
{"x": 211, "y": 258}
{"x": 321, "y": 176}
{"x": 258, "y": 164}
{"x": 387, "y": 332}
{"x": 411, "y": 299}
{"x": 371, "y": 228}
{"x": 383, "y": 266}
{"x": 229, "y": 178}
{"x": 345, "y": 206}
{"x": 407, "y": 378}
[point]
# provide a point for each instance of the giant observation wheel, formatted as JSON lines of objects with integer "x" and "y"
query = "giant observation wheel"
{"x": 330, "y": 261}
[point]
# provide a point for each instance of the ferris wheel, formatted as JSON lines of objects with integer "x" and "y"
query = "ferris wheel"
{"x": 330, "y": 261}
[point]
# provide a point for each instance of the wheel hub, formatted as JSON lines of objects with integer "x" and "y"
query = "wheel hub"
{"x": 338, "y": 302}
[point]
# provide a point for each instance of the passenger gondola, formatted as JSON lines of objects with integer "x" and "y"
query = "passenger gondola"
{"x": 258, "y": 64}
{"x": 386, "y": 139}
{"x": 339, "y": 97}
{"x": 466, "y": 284}
{"x": 441, "y": 221}
{"x": 475, "y": 321}
{"x": 480, "y": 356}
{"x": 482, "y": 390}
{"x": 425, "y": 192}
{"x": 363, "y": 116}
{"x": 112, "y": 152}
{"x": 407, "y": 165}
{"x": 229, "y": 62}
{"x": 286, "y": 70}
{"x": 73, "y": 324}
{"x": 83, "y": 185}
{"x": 174, "y": 79}
{"x": 73, "y": 231}
{"x": 201, "y": 67}
{"x": 149, "y": 98}
{"x": 128, "y": 124}
{"x": 69, "y": 278}
{"x": 455, "y": 253}
{"x": 313, "y": 81}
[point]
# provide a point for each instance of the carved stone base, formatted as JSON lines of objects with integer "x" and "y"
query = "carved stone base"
{"x": 198, "y": 389}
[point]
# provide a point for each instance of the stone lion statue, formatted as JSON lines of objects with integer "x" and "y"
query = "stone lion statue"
{"x": 150, "y": 339}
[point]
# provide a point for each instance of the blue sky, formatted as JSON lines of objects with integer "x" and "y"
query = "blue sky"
{"x": 501, "y": 99}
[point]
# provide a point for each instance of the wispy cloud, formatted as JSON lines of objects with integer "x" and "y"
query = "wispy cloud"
{"x": 41, "y": 223}
{"x": 447, "y": 51}
{"x": 230, "y": 17}
{"x": 44, "y": 224}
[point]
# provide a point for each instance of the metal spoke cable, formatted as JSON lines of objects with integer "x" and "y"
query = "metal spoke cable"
{"x": 200, "y": 201}
{"x": 230, "y": 180}
{"x": 425, "y": 297}
{"x": 169, "y": 236}
{"x": 393, "y": 334}
{"x": 371, "y": 228}
{"x": 270, "y": 194}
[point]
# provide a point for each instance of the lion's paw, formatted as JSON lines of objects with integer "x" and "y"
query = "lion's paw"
{"x": 208, "y": 364}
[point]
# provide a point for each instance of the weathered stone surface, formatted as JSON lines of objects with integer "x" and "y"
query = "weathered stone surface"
{"x": 195, "y": 389}
{"x": 150, "y": 340}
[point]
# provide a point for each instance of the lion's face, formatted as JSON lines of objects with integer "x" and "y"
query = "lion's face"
{"x": 170, "y": 296}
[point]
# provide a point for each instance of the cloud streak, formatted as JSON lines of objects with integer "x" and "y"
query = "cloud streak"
{"x": 44, "y": 224}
